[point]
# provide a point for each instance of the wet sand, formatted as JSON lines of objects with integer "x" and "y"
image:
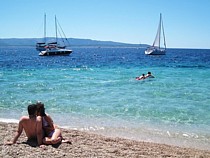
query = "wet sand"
{"x": 85, "y": 144}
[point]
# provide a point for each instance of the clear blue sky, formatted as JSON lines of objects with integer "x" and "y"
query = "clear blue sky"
{"x": 186, "y": 22}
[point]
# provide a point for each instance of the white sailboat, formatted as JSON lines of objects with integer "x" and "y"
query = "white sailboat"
{"x": 53, "y": 48}
{"x": 156, "y": 48}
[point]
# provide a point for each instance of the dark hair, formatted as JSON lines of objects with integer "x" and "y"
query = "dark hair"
{"x": 149, "y": 72}
{"x": 32, "y": 109}
{"x": 40, "y": 108}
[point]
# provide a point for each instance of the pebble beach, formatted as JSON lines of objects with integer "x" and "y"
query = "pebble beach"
{"x": 84, "y": 144}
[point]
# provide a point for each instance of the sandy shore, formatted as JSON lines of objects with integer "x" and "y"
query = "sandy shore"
{"x": 90, "y": 145}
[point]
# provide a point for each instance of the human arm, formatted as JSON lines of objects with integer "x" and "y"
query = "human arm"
{"x": 17, "y": 134}
{"x": 39, "y": 130}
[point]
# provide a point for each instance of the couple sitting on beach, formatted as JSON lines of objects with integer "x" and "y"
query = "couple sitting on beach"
{"x": 142, "y": 77}
{"x": 38, "y": 125}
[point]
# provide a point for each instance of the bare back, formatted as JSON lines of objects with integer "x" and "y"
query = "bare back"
{"x": 29, "y": 125}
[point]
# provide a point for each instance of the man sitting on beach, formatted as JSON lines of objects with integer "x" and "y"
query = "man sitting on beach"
{"x": 32, "y": 126}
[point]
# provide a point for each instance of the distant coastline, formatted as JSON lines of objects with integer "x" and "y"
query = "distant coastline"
{"x": 74, "y": 42}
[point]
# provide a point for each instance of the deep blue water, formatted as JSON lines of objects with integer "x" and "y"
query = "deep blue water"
{"x": 94, "y": 89}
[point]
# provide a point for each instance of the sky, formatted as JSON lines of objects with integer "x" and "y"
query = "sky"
{"x": 186, "y": 22}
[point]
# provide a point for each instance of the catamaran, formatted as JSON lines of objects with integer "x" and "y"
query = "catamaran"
{"x": 53, "y": 48}
{"x": 156, "y": 48}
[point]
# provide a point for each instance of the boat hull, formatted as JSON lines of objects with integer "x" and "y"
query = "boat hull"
{"x": 155, "y": 52}
{"x": 55, "y": 52}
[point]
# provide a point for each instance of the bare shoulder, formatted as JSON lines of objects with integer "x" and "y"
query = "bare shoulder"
{"x": 48, "y": 116}
{"x": 24, "y": 118}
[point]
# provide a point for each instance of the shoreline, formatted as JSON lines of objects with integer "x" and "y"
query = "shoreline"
{"x": 178, "y": 138}
{"x": 86, "y": 144}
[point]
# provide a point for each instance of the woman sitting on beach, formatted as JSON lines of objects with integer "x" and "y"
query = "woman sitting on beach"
{"x": 52, "y": 134}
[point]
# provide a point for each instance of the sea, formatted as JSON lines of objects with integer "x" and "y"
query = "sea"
{"x": 94, "y": 89}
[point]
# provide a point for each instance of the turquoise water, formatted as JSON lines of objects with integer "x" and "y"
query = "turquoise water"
{"x": 94, "y": 89}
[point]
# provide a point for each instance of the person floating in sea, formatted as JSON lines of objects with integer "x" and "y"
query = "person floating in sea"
{"x": 32, "y": 125}
{"x": 149, "y": 75}
{"x": 141, "y": 77}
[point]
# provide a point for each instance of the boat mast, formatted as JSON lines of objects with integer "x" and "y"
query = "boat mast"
{"x": 160, "y": 29}
{"x": 56, "y": 32}
{"x": 164, "y": 36}
{"x": 45, "y": 40}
